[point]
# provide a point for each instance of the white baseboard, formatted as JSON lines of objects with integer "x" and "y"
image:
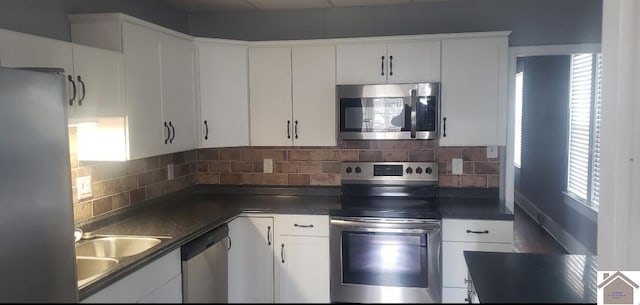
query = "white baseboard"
{"x": 556, "y": 231}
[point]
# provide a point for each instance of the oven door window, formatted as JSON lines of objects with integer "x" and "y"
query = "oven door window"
{"x": 384, "y": 259}
{"x": 375, "y": 114}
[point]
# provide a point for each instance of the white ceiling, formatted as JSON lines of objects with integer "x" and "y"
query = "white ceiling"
{"x": 211, "y": 6}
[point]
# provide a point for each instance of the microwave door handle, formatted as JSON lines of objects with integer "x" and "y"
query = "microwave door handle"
{"x": 414, "y": 99}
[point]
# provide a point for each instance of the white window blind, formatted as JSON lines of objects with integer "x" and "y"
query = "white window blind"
{"x": 579, "y": 125}
{"x": 597, "y": 113}
{"x": 517, "y": 153}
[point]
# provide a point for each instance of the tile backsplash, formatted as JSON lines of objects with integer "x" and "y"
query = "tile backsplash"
{"x": 119, "y": 185}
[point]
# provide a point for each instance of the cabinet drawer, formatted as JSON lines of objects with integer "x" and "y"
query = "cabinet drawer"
{"x": 477, "y": 230}
{"x": 306, "y": 225}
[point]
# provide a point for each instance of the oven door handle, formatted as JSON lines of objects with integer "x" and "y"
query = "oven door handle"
{"x": 369, "y": 226}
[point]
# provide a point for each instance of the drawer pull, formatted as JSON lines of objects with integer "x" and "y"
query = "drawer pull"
{"x": 302, "y": 226}
{"x": 478, "y": 232}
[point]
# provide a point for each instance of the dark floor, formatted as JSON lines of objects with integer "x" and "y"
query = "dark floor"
{"x": 529, "y": 237}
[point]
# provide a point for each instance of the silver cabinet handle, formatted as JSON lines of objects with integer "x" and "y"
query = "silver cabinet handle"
{"x": 303, "y": 226}
{"x": 478, "y": 232}
{"x": 269, "y": 235}
{"x": 282, "y": 252}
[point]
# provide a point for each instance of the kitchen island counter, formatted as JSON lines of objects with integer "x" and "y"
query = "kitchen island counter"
{"x": 499, "y": 277}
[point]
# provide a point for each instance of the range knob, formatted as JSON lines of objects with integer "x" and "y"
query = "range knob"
{"x": 409, "y": 170}
{"x": 358, "y": 170}
{"x": 428, "y": 170}
{"x": 419, "y": 170}
{"x": 348, "y": 170}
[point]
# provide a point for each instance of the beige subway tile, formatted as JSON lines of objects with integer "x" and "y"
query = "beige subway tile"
{"x": 467, "y": 167}
{"x": 383, "y": 144}
{"x": 275, "y": 179}
{"x": 191, "y": 156}
{"x": 444, "y": 168}
{"x": 108, "y": 170}
{"x": 101, "y": 206}
{"x": 97, "y": 189}
{"x": 358, "y": 144}
{"x": 369, "y": 155}
{"x": 422, "y": 155}
{"x": 81, "y": 211}
{"x": 299, "y": 155}
{"x": 286, "y": 167}
{"x": 322, "y": 155}
{"x": 208, "y": 178}
{"x": 475, "y": 154}
{"x": 120, "y": 200}
{"x": 226, "y": 178}
{"x": 258, "y": 166}
{"x": 274, "y": 154}
{"x": 202, "y": 166}
{"x": 137, "y": 196}
{"x": 487, "y": 168}
{"x": 446, "y": 154}
{"x": 308, "y": 167}
{"x": 473, "y": 181}
{"x": 208, "y": 154}
{"x": 407, "y": 144}
{"x": 177, "y": 158}
{"x": 253, "y": 178}
{"x": 347, "y": 155}
{"x": 159, "y": 175}
{"x": 395, "y": 155}
{"x": 220, "y": 167}
{"x": 230, "y": 154}
{"x": 493, "y": 180}
{"x": 152, "y": 163}
{"x": 136, "y": 166}
{"x": 324, "y": 179}
{"x": 145, "y": 179}
{"x": 429, "y": 144}
{"x": 298, "y": 179}
{"x": 251, "y": 155}
{"x": 330, "y": 167}
{"x": 449, "y": 180}
{"x": 241, "y": 167}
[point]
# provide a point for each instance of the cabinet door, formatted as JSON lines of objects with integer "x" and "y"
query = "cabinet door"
{"x": 454, "y": 267}
{"x": 455, "y": 295}
{"x": 143, "y": 84}
{"x": 19, "y": 50}
{"x": 224, "y": 95}
{"x": 251, "y": 260}
{"x": 302, "y": 275}
{"x": 474, "y": 75}
{"x": 411, "y": 62}
{"x": 170, "y": 292}
{"x": 362, "y": 63}
{"x": 178, "y": 92}
{"x": 99, "y": 77}
{"x": 314, "y": 96}
{"x": 270, "y": 96}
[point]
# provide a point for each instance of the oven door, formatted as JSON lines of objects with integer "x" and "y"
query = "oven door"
{"x": 385, "y": 260}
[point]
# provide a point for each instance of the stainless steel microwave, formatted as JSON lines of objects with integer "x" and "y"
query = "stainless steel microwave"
{"x": 388, "y": 111}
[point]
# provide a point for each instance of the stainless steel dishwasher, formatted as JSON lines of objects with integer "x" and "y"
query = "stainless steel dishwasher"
{"x": 204, "y": 267}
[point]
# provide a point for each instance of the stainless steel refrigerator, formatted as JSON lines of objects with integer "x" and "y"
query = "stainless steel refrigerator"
{"x": 37, "y": 259}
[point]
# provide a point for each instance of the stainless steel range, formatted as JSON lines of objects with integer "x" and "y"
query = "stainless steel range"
{"x": 385, "y": 241}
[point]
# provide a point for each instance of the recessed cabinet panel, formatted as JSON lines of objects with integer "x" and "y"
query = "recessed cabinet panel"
{"x": 417, "y": 61}
{"x": 474, "y": 77}
{"x": 224, "y": 94}
{"x": 178, "y": 92}
{"x": 144, "y": 91}
{"x": 270, "y": 96}
{"x": 361, "y": 63}
{"x": 314, "y": 96}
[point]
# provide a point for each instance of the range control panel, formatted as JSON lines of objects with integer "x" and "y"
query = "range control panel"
{"x": 390, "y": 172}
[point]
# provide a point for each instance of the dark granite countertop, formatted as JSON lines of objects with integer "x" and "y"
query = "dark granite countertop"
{"x": 532, "y": 278}
{"x": 187, "y": 214}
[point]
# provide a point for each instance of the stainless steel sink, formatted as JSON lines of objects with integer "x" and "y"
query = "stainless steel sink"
{"x": 89, "y": 268}
{"x": 115, "y": 246}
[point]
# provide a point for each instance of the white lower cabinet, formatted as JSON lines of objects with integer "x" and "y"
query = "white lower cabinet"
{"x": 302, "y": 259}
{"x": 459, "y": 235}
{"x": 251, "y": 260}
{"x": 158, "y": 282}
{"x": 279, "y": 258}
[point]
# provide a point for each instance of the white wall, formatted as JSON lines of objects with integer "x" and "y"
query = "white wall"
{"x": 619, "y": 216}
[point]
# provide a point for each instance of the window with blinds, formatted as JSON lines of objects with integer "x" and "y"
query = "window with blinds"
{"x": 517, "y": 152}
{"x": 584, "y": 128}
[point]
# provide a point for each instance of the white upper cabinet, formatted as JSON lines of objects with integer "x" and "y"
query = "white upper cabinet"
{"x": 224, "y": 94}
{"x": 159, "y": 80}
{"x": 393, "y": 62}
{"x": 474, "y": 91}
{"x": 178, "y": 92}
{"x": 292, "y": 96}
